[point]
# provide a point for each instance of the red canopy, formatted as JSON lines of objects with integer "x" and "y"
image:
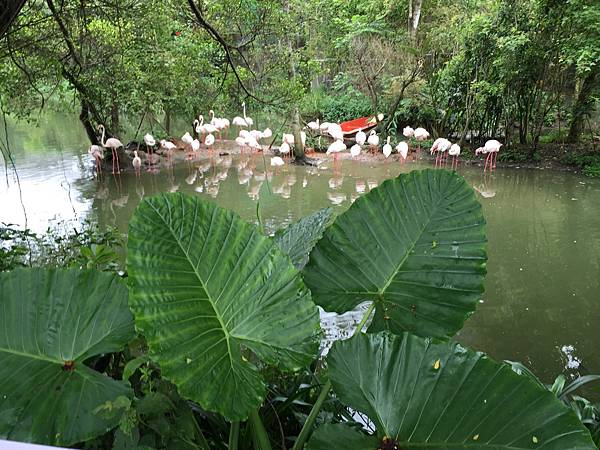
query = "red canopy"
{"x": 355, "y": 125}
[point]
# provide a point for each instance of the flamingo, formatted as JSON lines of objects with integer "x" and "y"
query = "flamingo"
{"x": 361, "y": 138}
{"x": 387, "y": 148}
{"x": 285, "y": 148}
{"x": 408, "y": 132}
{"x": 137, "y": 163}
{"x": 195, "y": 147}
{"x": 402, "y": 149}
{"x": 241, "y": 141}
{"x": 335, "y": 148}
{"x": 267, "y": 133}
{"x": 491, "y": 148}
{"x": 420, "y": 134}
{"x": 315, "y": 126}
{"x": 248, "y": 120}
{"x": 169, "y": 148}
{"x": 226, "y": 125}
{"x": 440, "y": 145}
{"x": 355, "y": 150}
{"x": 113, "y": 144}
{"x": 209, "y": 141}
{"x": 455, "y": 153}
{"x": 276, "y": 161}
{"x": 373, "y": 140}
{"x": 98, "y": 154}
{"x": 150, "y": 143}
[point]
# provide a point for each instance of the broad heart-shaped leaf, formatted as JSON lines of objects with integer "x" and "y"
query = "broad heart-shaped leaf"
{"x": 204, "y": 287}
{"x": 299, "y": 238}
{"x": 51, "y": 321}
{"x": 414, "y": 245}
{"x": 426, "y": 393}
{"x": 331, "y": 436}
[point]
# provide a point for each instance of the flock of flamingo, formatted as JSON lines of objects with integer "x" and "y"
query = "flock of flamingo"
{"x": 250, "y": 139}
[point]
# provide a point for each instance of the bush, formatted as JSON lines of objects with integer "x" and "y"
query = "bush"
{"x": 588, "y": 162}
{"x": 335, "y": 107}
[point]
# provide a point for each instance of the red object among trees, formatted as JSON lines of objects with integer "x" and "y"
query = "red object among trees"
{"x": 362, "y": 123}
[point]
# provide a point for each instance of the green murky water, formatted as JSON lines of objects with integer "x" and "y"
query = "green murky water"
{"x": 543, "y": 284}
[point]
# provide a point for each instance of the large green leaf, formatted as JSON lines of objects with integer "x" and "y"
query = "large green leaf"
{"x": 205, "y": 286}
{"x": 433, "y": 394}
{"x": 51, "y": 321}
{"x": 415, "y": 246}
{"x": 299, "y": 238}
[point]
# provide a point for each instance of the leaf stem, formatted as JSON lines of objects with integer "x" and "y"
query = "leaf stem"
{"x": 234, "y": 434}
{"x": 310, "y": 420}
{"x": 314, "y": 412}
{"x": 258, "y": 429}
{"x": 363, "y": 321}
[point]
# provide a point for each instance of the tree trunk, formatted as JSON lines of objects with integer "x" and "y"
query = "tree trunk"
{"x": 86, "y": 121}
{"x": 298, "y": 145}
{"x": 414, "y": 16}
{"x": 168, "y": 122}
{"x": 584, "y": 104}
{"x": 11, "y": 10}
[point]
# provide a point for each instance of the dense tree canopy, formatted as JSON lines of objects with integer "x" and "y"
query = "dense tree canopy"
{"x": 468, "y": 68}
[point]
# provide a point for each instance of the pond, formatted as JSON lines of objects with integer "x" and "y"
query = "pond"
{"x": 543, "y": 284}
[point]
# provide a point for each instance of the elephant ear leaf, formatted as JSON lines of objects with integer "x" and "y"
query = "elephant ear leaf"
{"x": 51, "y": 322}
{"x": 426, "y": 393}
{"x": 299, "y": 238}
{"x": 415, "y": 246}
{"x": 215, "y": 299}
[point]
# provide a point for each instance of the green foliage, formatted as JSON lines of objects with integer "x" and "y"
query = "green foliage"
{"x": 229, "y": 331}
{"x": 88, "y": 246}
{"x": 403, "y": 384}
{"x": 438, "y": 223}
{"x": 336, "y": 106}
{"x": 226, "y": 294}
{"x": 299, "y": 238}
{"x": 588, "y": 162}
{"x": 54, "y": 321}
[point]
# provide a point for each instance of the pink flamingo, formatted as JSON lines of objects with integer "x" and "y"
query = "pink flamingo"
{"x": 491, "y": 148}
{"x": 113, "y": 144}
{"x": 98, "y": 154}
{"x": 137, "y": 163}
{"x": 455, "y": 153}
{"x": 420, "y": 134}
{"x": 439, "y": 147}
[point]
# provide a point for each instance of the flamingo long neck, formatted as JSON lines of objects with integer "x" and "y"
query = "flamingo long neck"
{"x": 102, "y": 138}
{"x": 388, "y": 140}
{"x": 201, "y": 120}
{"x": 244, "y": 106}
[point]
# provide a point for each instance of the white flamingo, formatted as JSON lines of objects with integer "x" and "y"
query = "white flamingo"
{"x": 373, "y": 140}
{"x": 137, "y": 163}
{"x": 361, "y": 138}
{"x": 209, "y": 141}
{"x": 113, "y": 144}
{"x": 420, "y": 134}
{"x": 336, "y": 147}
{"x": 402, "y": 149}
{"x": 387, "y": 148}
{"x": 285, "y": 148}
{"x": 150, "y": 143}
{"x": 355, "y": 150}
{"x": 491, "y": 148}
{"x": 455, "y": 153}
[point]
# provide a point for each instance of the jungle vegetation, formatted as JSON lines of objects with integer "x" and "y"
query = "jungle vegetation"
{"x": 525, "y": 71}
